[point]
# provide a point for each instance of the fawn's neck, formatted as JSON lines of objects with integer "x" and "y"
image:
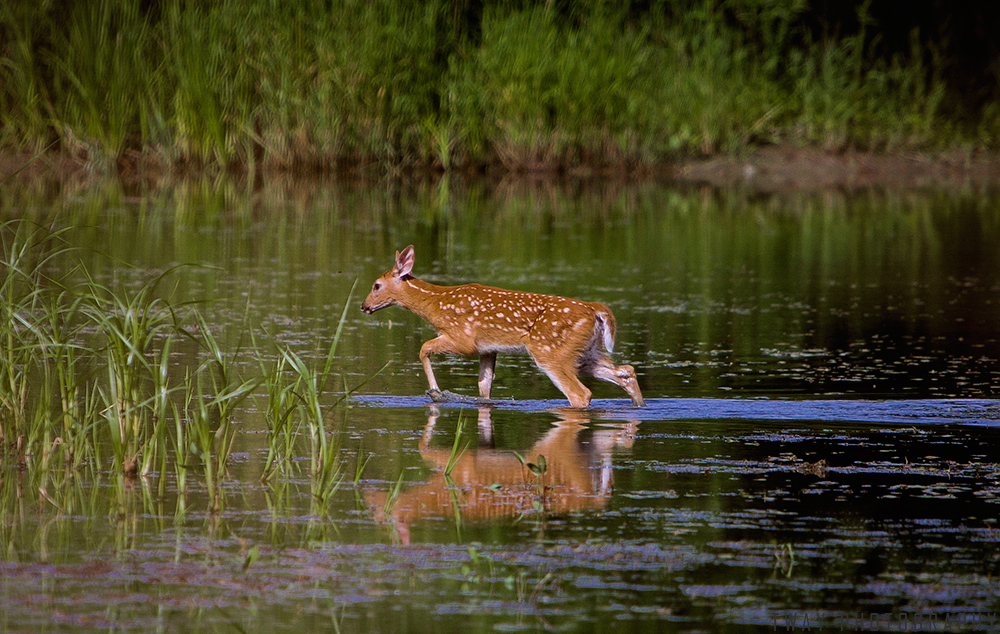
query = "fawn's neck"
{"x": 421, "y": 298}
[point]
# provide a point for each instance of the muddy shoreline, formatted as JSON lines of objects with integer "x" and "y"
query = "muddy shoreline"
{"x": 766, "y": 169}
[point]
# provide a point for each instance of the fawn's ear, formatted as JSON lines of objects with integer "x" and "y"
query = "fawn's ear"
{"x": 404, "y": 262}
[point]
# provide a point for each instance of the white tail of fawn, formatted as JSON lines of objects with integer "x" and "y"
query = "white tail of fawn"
{"x": 565, "y": 337}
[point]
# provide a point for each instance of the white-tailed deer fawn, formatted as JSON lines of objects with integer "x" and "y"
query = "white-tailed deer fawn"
{"x": 565, "y": 337}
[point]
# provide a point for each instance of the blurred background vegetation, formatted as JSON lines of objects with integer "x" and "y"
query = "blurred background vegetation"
{"x": 316, "y": 85}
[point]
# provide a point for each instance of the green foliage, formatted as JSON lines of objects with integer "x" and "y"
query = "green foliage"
{"x": 434, "y": 83}
{"x": 87, "y": 381}
{"x": 130, "y": 325}
{"x": 457, "y": 449}
{"x": 295, "y": 389}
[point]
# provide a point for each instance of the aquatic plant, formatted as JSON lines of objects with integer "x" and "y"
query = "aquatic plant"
{"x": 279, "y": 415}
{"x": 393, "y": 496}
{"x": 457, "y": 448}
{"x": 133, "y": 327}
{"x": 295, "y": 392}
{"x": 325, "y": 466}
{"x": 538, "y": 469}
{"x": 24, "y": 249}
{"x": 211, "y": 404}
{"x": 88, "y": 381}
{"x": 360, "y": 465}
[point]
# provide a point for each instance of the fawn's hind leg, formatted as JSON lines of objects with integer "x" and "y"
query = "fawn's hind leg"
{"x": 487, "y": 370}
{"x": 561, "y": 368}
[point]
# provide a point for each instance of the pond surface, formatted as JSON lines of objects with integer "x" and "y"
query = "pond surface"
{"x": 820, "y": 449}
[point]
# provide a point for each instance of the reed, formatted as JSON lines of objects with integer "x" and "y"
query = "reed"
{"x": 435, "y": 84}
{"x": 280, "y": 416}
{"x": 18, "y": 293}
{"x": 392, "y": 496}
{"x": 210, "y": 446}
{"x": 39, "y": 361}
{"x": 89, "y": 386}
{"x": 457, "y": 448}
{"x": 325, "y": 467}
{"x": 212, "y": 407}
{"x": 133, "y": 327}
{"x": 295, "y": 402}
{"x": 74, "y": 403}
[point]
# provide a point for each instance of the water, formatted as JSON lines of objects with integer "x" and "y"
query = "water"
{"x": 819, "y": 449}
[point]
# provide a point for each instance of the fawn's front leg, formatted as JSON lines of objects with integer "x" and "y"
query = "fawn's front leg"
{"x": 443, "y": 344}
{"x": 434, "y": 346}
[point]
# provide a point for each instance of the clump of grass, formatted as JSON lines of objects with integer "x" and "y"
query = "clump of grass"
{"x": 133, "y": 327}
{"x": 211, "y": 402}
{"x": 392, "y": 496}
{"x": 538, "y": 469}
{"x": 457, "y": 449}
{"x": 88, "y": 381}
{"x": 38, "y": 354}
{"x": 295, "y": 395}
{"x": 280, "y": 411}
{"x": 325, "y": 465}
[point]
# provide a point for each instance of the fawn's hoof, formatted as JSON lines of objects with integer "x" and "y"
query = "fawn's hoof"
{"x": 439, "y": 396}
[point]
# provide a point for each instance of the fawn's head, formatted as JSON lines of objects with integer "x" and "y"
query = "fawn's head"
{"x": 385, "y": 289}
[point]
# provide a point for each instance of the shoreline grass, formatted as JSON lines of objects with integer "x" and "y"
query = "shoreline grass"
{"x": 442, "y": 85}
{"x": 88, "y": 387}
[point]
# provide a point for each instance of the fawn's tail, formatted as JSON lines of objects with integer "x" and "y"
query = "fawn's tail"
{"x": 606, "y": 330}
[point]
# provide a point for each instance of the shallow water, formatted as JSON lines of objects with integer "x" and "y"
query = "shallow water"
{"x": 819, "y": 450}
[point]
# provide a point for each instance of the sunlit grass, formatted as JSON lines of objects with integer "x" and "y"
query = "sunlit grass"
{"x": 458, "y": 449}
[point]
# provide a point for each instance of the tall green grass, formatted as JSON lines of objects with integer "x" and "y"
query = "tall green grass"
{"x": 295, "y": 413}
{"x": 315, "y": 85}
{"x": 89, "y": 385}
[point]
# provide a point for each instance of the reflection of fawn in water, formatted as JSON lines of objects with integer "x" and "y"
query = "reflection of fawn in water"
{"x": 489, "y": 483}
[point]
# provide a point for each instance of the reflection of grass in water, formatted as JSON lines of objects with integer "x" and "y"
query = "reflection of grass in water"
{"x": 86, "y": 386}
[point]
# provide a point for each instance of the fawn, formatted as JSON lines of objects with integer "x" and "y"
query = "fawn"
{"x": 565, "y": 337}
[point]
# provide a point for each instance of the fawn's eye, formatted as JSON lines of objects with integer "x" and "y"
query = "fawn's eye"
{"x": 377, "y": 286}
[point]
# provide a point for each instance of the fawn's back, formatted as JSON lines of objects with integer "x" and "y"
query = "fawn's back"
{"x": 483, "y": 319}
